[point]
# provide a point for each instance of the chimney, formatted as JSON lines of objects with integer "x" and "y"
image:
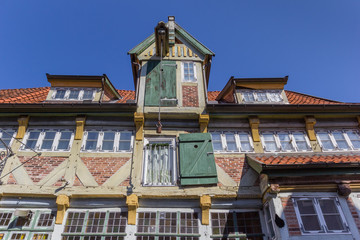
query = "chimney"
{"x": 171, "y": 27}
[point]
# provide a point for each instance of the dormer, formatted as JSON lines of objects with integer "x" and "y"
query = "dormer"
{"x": 171, "y": 69}
{"x": 80, "y": 88}
{"x": 254, "y": 91}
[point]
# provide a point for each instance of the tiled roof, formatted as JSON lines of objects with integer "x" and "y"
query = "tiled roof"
{"x": 300, "y": 98}
{"x": 126, "y": 95}
{"x": 308, "y": 159}
{"x": 293, "y": 97}
{"x": 24, "y": 95}
{"x": 38, "y": 95}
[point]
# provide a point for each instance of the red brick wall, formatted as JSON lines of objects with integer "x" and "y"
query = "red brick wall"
{"x": 39, "y": 167}
{"x": 290, "y": 215}
{"x": 11, "y": 179}
{"x": 102, "y": 168}
{"x": 354, "y": 212}
{"x": 235, "y": 167}
{"x": 190, "y": 96}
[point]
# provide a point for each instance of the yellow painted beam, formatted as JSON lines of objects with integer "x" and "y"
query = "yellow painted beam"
{"x": 139, "y": 123}
{"x": 151, "y": 52}
{"x": 185, "y": 51}
{"x": 23, "y": 123}
{"x": 63, "y": 203}
{"x": 179, "y": 52}
{"x": 132, "y": 202}
{"x": 205, "y": 204}
{"x": 204, "y": 122}
{"x": 254, "y": 125}
{"x": 310, "y": 122}
{"x": 80, "y": 125}
{"x": 190, "y": 53}
{"x": 173, "y": 51}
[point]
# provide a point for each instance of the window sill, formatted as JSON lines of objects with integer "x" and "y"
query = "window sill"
{"x": 105, "y": 154}
{"x": 26, "y": 153}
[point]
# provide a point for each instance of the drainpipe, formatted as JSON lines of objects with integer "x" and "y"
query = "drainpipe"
{"x": 204, "y": 75}
{"x": 137, "y": 81}
{"x": 103, "y": 89}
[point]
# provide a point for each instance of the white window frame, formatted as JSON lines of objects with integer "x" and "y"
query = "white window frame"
{"x": 333, "y": 140}
{"x": 320, "y": 216}
{"x": 237, "y": 141}
{"x": 30, "y": 230}
{"x": 2, "y": 134}
{"x": 100, "y": 139}
{"x": 42, "y": 136}
{"x": 183, "y": 72}
{"x": 292, "y": 141}
{"x": 178, "y": 211}
{"x": 67, "y": 94}
{"x": 173, "y": 161}
{"x": 256, "y": 97}
{"x": 86, "y": 217}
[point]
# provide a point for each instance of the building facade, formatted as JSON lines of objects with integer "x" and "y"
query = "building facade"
{"x": 82, "y": 160}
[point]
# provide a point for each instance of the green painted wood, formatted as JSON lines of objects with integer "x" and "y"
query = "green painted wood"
{"x": 138, "y": 49}
{"x": 168, "y": 83}
{"x": 197, "y": 162}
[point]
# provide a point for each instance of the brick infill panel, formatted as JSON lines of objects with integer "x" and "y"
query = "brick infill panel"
{"x": 235, "y": 167}
{"x": 39, "y": 167}
{"x": 190, "y": 96}
{"x": 354, "y": 212}
{"x": 102, "y": 168}
{"x": 290, "y": 215}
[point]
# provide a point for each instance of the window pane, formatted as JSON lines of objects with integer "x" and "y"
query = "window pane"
{"x": 125, "y": 141}
{"x": 88, "y": 95}
{"x": 230, "y": 142}
{"x": 32, "y": 139}
{"x": 5, "y": 218}
{"x": 285, "y": 142}
{"x": 167, "y": 222}
{"x": 40, "y": 236}
{"x": 95, "y": 222}
{"x": 91, "y": 140}
{"x": 331, "y": 214}
{"x": 340, "y": 140}
{"x": 189, "y": 72}
{"x": 60, "y": 94}
{"x": 326, "y": 141}
{"x": 74, "y": 94}
{"x": 6, "y": 136}
{"x": 146, "y": 222}
{"x": 46, "y": 220}
{"x": 301, "y": 141}
{"x": 189, "y": 223}
{"x": 270, "y": 144}
{"x": 216, "y": 141}
{"x": 74, "y": 222}
{"x": 48, "y": 140}
{"x": 354, "y": 138}
{"x": 108, "y": 141}
{"x": 311, "y": 223}
{"x": 64, "y": 141}
{"x": 262, "y": 97}
{"x": 117, "y": 222}
{"x": 248, "y": 97}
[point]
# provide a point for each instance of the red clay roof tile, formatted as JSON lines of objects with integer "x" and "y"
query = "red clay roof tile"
{"x": 307, "y": 160}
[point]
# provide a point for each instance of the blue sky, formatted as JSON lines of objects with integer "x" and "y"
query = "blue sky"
{"x": 316, "y": 43}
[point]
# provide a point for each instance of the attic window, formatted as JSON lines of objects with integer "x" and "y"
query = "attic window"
{"x": 73, "y": 94}
{"x": 261, "y": 96}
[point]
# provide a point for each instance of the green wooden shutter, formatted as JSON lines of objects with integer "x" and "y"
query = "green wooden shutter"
{"x": 197, "y": 162}
{"x": 168, "y": 84}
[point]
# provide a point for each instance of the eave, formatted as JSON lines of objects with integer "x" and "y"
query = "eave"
{"x": 229, "y": 109}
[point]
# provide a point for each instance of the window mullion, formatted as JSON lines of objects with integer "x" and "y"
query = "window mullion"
{"x": 333, "y": 140}
{"x": 347, "y": 139}
{"x": 86, "y": 219}
{"x": 237, "y": 142}
{"x": 99, "y": 141}
{"x": 277, "y": 142}
{"x": 223, "y": 141}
